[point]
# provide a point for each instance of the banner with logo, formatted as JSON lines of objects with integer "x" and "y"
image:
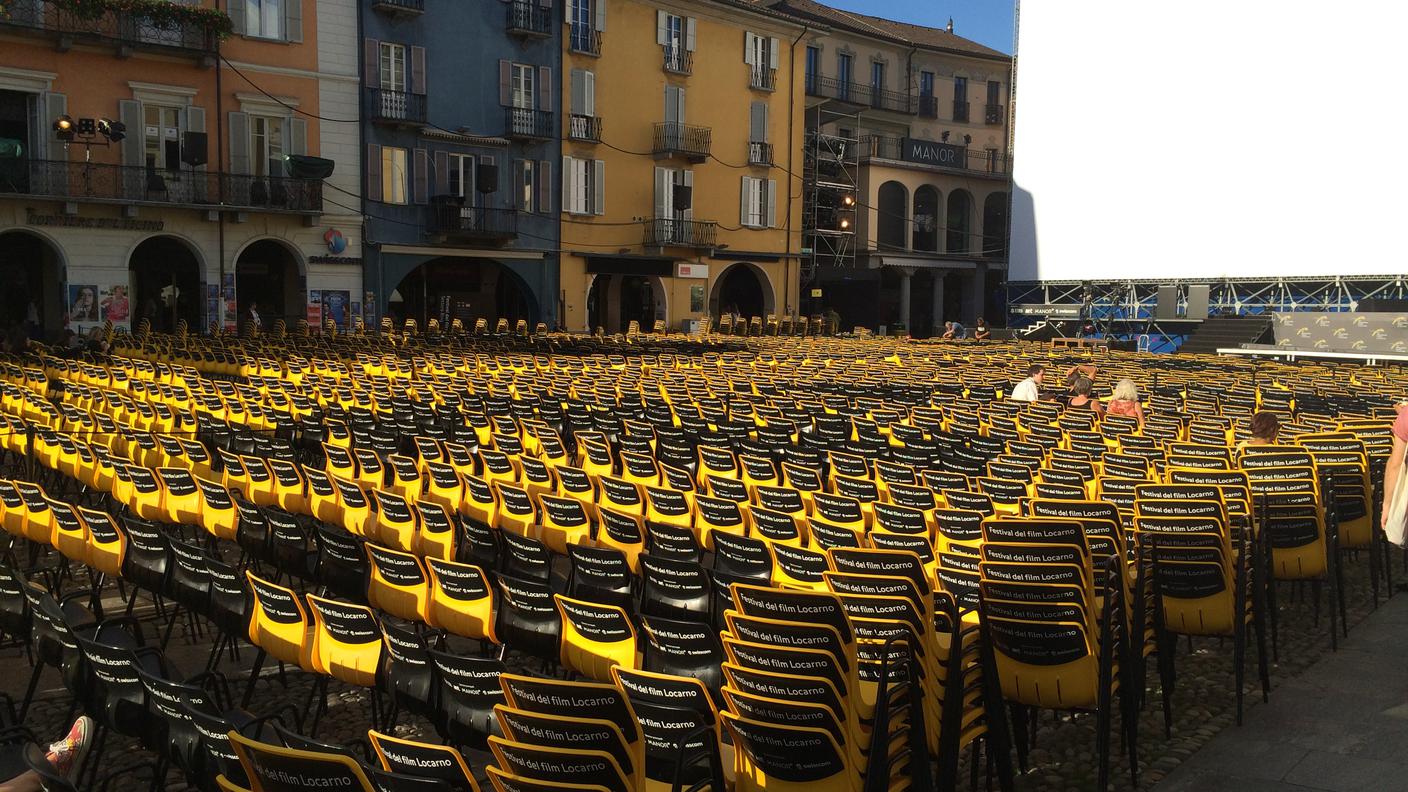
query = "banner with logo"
{"x": 1365, "y": 332}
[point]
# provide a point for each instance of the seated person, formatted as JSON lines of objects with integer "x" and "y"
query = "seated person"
{"x": 981, "y": 332}
{"x": 1125, "y": 401}
{"x": 1081, "y": 399}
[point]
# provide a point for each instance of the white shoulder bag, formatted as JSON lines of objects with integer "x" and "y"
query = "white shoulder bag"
{"x": 1396, "y": 525}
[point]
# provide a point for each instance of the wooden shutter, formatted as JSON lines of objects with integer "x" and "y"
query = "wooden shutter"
{"x": 52, "y": 105}
{"x": 130, "y": 111}
{"x": 672, "y": 104}
{"x": 418, "y": 70}
{"x": 662, "y": 28}
{"x": 689, "y": 33}
{"x": 590, "y": 93}
{"x": 371, "y": 62}
{"x": 544, "y": 190}
{"x": 505, "y": 83}
{"x": 293, "y": 20}
{"x": 545, "y": 88}
{"x": 600, "y": 14}
{"x": 598, "y": 186}
{"x": 568, "y": 6}
{"x": 774, "y": 44}
{"x": 569, "y": 172}
{"x": 772, "y": 203}
{"x": 239, "y": 143}
{"x": 579, "y": 92}
{"x": 442, "y": 173}
{"x": 758, "y": 122}
{"x": 297, "y": 140}
{"x": 235, "y": 11}
{"x": 663, "y": 188}
{"x": 744, "y": 192}
{"x": 195, "y": 122}
{"x": 748, "y": 58}
{"x": 373, "y": 171}
{"x": 420, "y": 177}
{"x": 688, "y": 181}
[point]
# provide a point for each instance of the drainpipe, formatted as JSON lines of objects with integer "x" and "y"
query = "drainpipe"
{"x": 791, "y": 115}
{"x": 220, "y": 178}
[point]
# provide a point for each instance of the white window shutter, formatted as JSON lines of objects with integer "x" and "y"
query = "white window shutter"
{"x": 578, "y": 104}
{"x": 600, "y": 15}
{"x": 599, "y": 186}
{"x": 589, "y": 91}
{"x": 239, "y": 145}
{"x": 773, "y": 46}
{"x": 297, "y": 136}
{"x": 662, "y": 36}
{"x": 688, "y": 181}
{"x": 293, "y": 20}
{"x": 195, "y": 122}
{"x": 772, "y": 203}
{"x": 748, "y": 45}
{"x": 743, "y": 200}
{"x": 662, "y": 192}
{"x": 130, "y": 112}
{"x": 54, "y": 104}
{"x": 235, "y": 11}
{"x": 568, "y": 7}
{"x": 689, "y": 33}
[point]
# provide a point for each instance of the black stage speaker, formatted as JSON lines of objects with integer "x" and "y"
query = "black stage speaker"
{"x": 684, "y": 196}
{"x": 1167, "y": 307}
{"x": 1383, "y": 305}
{"x": 1198, "y": 295}
{"x": 195, "y": 149}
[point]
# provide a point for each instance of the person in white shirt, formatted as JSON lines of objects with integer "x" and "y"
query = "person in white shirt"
{"x": 1029, "y": 389}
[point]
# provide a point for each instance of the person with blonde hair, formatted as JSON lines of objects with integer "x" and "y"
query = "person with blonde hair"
{"x": 1125, "y": 401}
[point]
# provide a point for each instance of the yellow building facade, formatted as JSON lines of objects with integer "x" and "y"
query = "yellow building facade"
{"x": 681, "y": 172}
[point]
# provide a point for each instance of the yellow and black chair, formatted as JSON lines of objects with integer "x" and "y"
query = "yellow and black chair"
{"x": 423, "y": 760}
{"x": 272, "y": 768}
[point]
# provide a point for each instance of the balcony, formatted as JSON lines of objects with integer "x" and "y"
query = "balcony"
{"x": 91, "y": 182}
{"x": 760, "y": 154}
{"x": 584, "y": 128}
{"x": 993, "y": 114}
{"x": 761, "y": 78}
{"x": 960, "y": 111}
{"x": 673, "y": 139}
{"x": 126, "y": 31}
{"x": 678, "y": 60}
{"x": 400, "y": 108}
{"x": 452, "y": 222}
{"x": 399, "y": 7}
{"x": 584, "y": 39}
{"x": 673, "y": 232}
{"x": 522, "y": 123}
{"x": 528, "y": 19}
{"x": 928, "y": 107}
{"x": 858, "y": 94}
{"x": 892, "y": 101}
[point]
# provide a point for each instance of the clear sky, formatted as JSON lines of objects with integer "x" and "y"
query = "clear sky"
{"x": 988, "y": 22}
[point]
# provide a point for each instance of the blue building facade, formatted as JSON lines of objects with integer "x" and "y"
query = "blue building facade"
{"x": 460, "y": 120}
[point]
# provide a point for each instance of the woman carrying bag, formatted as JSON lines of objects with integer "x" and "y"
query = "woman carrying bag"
{"x": 1395, "y": 508}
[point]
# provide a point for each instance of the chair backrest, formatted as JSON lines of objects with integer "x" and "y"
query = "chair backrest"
{"x": 427, "y": 760}
{"x": 273, "y": 768}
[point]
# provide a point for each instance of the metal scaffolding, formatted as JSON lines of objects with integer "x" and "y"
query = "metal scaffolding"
{"x": 830, "y": 171}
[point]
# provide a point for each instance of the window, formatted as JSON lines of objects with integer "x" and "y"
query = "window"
{"x": 994, "y": 162}
{"x": 393, "y": 66}
{"x": 265, "y": 18}
{"x": 994, "y": 92}
{"x": 521, "y": 87}
{"x": 583, "y": 186}
{"x": 813, "y": 67}
{"x": 266, "y": 145}
{"x": 756, "y": 209}
{"x": 161, "y": 135}
{"x": 960, "y": 89}
{"x": 877, "y": 76}
{"x": 582, "y": 25}
{"x": 459, "y": 174}
{"x": 926, "y": 83}
{"x": 523, "y": 184}
{"x": 843, "y": 75}
{"x": 394, "y": 176}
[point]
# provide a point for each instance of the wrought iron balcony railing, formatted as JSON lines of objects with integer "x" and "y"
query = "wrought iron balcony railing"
{"x": 396, "y": 107}
{"x": 127, "y": 30}
{"x": 678, "y": 60}
{"x": 411, "y": 7}
{"x": 583, "y": 39}
{"x": 929, "y": 106}
{"x": 673, "y": 232}
{"x": 522, "y": 123}
{"x": 762, "y": 78}
{"x": 675, "y": 139}
{"x": 584, "y": 127}
{"x": 759, "y": 153}
{"x": 90, "y": 181}
{"x": 960, "y": 111}
{"x": 528, "y": 18}
{"x": 992, "y": 114}
{"x": 448, "y": 219}
{"x": 885, "y": 99}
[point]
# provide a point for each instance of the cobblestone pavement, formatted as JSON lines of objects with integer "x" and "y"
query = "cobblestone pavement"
{"x": 1063, "y": 757}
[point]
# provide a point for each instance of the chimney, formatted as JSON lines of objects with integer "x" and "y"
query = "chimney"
{"x": 950, "y": 25}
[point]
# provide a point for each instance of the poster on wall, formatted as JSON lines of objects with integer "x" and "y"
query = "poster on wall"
{"x": 369, "y": 310}
{"x": 82, "y": 307}
{"x": 232, "y": 308}
{"x": 335, "y": 305}
{"x": 315, "y": 309}
{"x": 115, "y": 307}
{"x": 212, "y": 303}
{"x": 696, "y": 299}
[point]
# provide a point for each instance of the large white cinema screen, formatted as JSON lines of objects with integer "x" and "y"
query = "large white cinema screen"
{"x": 1205, "y": 139}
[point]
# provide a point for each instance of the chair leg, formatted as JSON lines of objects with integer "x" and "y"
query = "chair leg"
{"x": 253, "y": 677}
{"x": 1102, "y": 746}
{"x": 29, "y": 691}
{"x": 1166, "y": 680}
{"x": 1239, "y": 656}
{"x": 1018, "y": 713}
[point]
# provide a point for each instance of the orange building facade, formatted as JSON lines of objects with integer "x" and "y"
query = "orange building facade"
{"x": 204, "y": 210}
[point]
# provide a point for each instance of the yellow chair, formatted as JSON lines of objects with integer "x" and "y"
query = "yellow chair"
{"x": 595, "y": 638}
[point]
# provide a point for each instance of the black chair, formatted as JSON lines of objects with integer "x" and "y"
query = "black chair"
{"x": 527, "y": 618}
{"x": 54, "y": 625}
{"x": 252, "y": 534}
{"x": 341, "y": 562}
{"x": 214, "y": 727}
{"x": 147, "y": 564}
{"x": 674, "y": 589}
{"x": 189, "y": 586}
{"x": 465, "y": 697}
{"x": 525, "y": 557}
{"x": 599, "y": 574}
{"x": 15, "y": 618}
{"x": 399, "y": 782}
{"x": 409, "y": 675}
{"x": 682, "y": 648}
{"x": 290, "y": 545}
